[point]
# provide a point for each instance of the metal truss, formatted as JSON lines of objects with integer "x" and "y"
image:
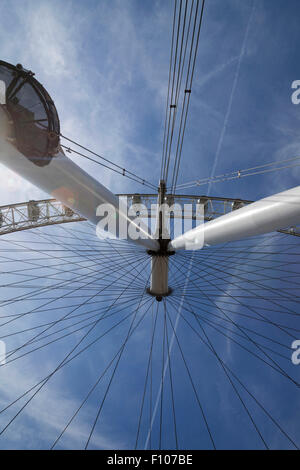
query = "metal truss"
{"x": 213, "y": 207}
{"x": 32, "y": 214}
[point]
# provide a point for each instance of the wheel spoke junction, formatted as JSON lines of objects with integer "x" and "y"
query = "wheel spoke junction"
{"x": 208, "y": 367}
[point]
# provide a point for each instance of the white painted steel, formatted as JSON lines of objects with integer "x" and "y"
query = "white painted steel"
{"x": 159, "y": 275}
{"x": 266, "y": 215}
{"x": 65, "y": 181}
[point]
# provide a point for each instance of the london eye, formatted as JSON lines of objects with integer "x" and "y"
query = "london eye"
{"x": 177, "y": 335}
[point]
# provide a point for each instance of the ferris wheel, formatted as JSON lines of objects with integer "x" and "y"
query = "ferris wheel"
{"x": 174, "y": 339}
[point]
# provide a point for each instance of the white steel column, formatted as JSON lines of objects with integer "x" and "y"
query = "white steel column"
{"x": 159, "y": 276}
{"x": 65, "y": 181}
{"x": 266, "y": 215}
{"x": 160, "y": 262}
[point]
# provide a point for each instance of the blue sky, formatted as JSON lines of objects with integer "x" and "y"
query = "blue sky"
{"x": 105, "y": 64}
{"x": 108, "y": 72}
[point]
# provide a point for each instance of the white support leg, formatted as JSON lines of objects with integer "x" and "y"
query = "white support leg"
{"x": 65, "y": 181}
{"x": 160, "y": 262}
{"x": 266, "y": 215}
{"x": 159, "y": 276}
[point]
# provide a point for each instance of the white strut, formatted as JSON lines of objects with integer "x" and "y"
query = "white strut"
{"x": 266, "y": 215}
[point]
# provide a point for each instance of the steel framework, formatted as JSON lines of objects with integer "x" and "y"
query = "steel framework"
{"x": 41, "y": 213}
{"x": 32, "y": 214}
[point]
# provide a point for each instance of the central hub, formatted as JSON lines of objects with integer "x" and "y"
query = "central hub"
{"x": 159, "y": 287}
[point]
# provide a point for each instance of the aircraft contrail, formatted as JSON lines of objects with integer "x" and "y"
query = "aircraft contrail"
{"x": 234, "y": 85}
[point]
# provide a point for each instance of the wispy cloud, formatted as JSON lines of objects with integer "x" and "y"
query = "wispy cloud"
{"x": 48, "y": 414}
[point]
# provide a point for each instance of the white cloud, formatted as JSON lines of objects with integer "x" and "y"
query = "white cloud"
{"x": 88, "y": 59}
{"x": 49, "y": 412}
